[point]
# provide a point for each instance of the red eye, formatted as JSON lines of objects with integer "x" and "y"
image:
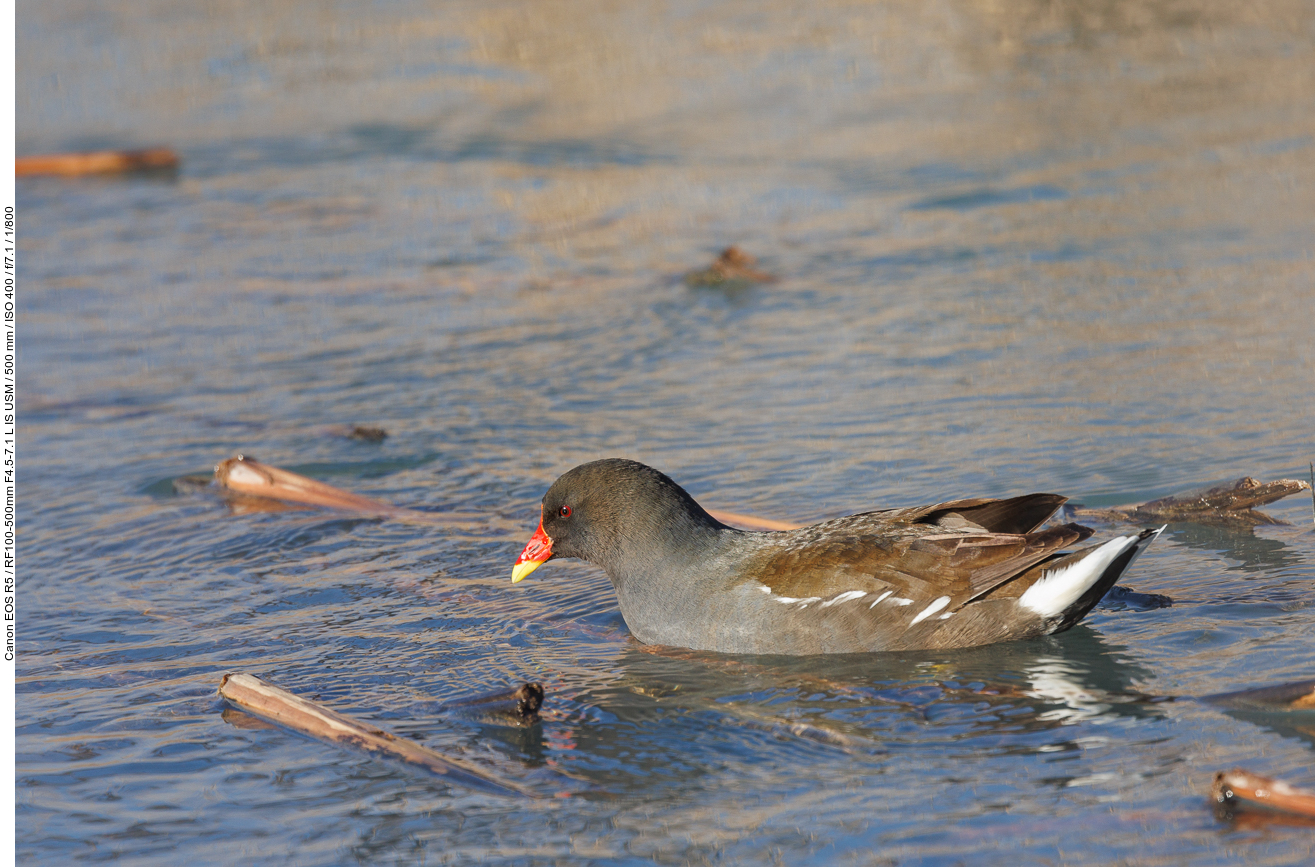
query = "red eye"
{"x": 564, "y": 511}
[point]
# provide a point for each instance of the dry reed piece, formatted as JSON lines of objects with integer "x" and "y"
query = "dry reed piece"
{"x": 1295, "y": 696}
{"x": 751, "y": 522}
{"x": 732, "y": 266}
{"x": 1242, "y": 789}
{"x": 98, "y": 163}
{"x": 1233, "y": 504}
{"x": 263, "y": 699}
{"x": 250, "y": 477}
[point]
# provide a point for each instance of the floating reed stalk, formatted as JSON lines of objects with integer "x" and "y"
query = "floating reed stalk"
{"x": 98, "y": 163}
{"x": 256, "y": 696}
{"x": 1239, "y": 788}
{"x": 752, "y": 523}
{"x": 250, "y": 477}
{"x": 1295, "y": 696}
{"x": 1233, "y": 504}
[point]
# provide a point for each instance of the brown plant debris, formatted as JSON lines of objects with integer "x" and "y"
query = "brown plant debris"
{"x": 517, "y": 707}
{"x": 1298, "y": 696}
{"x": 1242, "y": 790}
{"x": 269, "y": 702}
{"x": 732, "y": 266}
{"x": 362, "y": 432}
{"x": 98, "y": 163}
{"x": 1227, "y": 505}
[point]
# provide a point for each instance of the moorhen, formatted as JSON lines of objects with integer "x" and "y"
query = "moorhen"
{"x": 954, "y": 574}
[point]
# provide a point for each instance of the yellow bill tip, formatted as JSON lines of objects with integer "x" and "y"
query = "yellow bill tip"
{"x": 520, "y": 570}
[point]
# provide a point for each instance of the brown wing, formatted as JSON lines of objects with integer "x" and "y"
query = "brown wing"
{"x": 916, "y": 561}
{"x": 990, "y": 561}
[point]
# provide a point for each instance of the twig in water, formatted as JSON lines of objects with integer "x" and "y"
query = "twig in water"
{"x": 1242, "y": 789}
{"x": 247, "y": 476}
{"x": 265, "y": 700}
{"x": 99, "y": 162}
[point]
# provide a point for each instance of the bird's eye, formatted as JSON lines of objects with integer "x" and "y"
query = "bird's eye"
{"x": 564, "y": 511}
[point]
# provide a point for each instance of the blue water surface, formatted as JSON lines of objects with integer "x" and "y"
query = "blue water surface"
{"x": 1017, "y": 249}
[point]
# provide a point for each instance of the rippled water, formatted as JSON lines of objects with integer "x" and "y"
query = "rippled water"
{"x": 1029, "y": 246}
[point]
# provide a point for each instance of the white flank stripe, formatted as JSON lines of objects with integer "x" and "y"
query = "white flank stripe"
{"x": 1057, "y": 590}
{"x": 844, "y": 597}
{"x": 931, "y": 609}
{"x": 879, "y": 598}
{"x": 790, "y": 600}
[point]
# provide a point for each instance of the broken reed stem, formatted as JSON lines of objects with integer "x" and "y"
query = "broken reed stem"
{"x": 263, "y": 699}
{"x": 98, "y": 163}
{"x": 1295, "y": 696}
{"x": 751, "y": 522}
{"x": 249, "y": 476}
{"x": 1312, "y": 490}
{"x": 244, "y": 475}
{"x": 1240, "y": 788}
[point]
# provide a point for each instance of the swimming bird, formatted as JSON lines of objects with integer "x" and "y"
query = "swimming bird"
{"x": 955, "y": 574}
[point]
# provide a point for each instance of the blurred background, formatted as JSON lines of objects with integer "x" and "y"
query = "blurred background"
{"x": 1061, "y": 246}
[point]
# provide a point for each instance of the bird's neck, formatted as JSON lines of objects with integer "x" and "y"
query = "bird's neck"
{"x": 669, "y": 577}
